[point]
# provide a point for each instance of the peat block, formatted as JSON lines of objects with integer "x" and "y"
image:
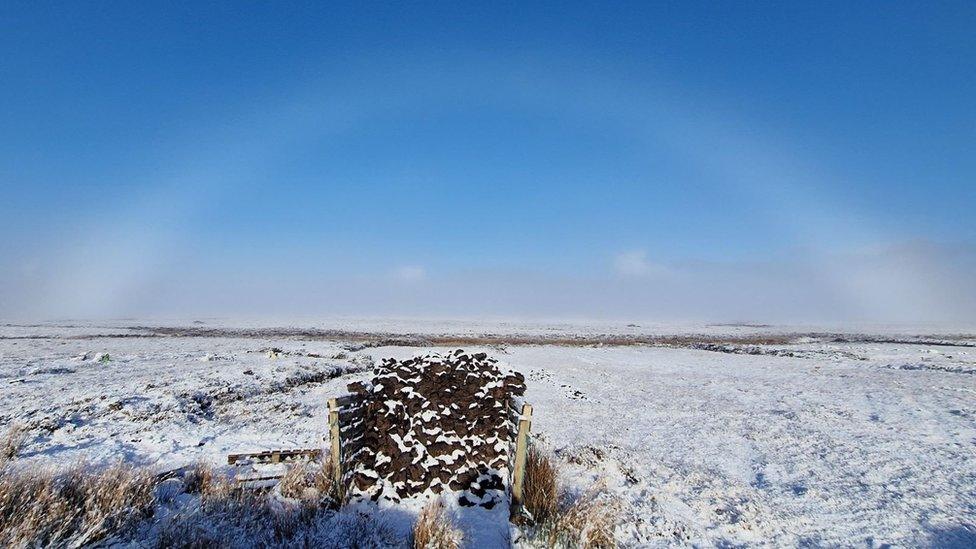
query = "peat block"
{"x": 432, "y": 424}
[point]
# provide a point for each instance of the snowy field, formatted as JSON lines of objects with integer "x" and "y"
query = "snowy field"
{"x": 726, "y": 435}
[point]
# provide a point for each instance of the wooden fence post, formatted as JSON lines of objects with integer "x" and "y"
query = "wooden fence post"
{"x": 334, "y": 436}
{"x": 521, "y": 447}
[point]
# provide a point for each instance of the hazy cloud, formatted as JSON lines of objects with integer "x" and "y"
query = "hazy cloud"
{"x": 634, "y": 263}
{"x": 903, "y": 282}
{"x": 410, "y": 273}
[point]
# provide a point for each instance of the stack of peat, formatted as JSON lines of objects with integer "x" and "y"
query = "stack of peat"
{"x": 431, "y": 424}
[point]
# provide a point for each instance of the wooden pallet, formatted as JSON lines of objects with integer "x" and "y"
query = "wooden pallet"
{"x": 276, "y": 456}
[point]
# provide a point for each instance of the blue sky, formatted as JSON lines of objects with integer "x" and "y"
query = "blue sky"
{"x": 662, "y": 161}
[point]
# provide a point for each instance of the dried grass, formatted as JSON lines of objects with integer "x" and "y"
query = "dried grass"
{"x": 231, "y": 516}
{"x": 12, "y": 442}
{"x": 225, "y": 512}
{"x": 84, "y": 506}
{"x": 434, "y": 529}
{"x": 587, "y": 523}
{"x": 558, "y": 519}
{"x": 310, "y": 482}
{"x": 540, "y": 492}
{"x": 42, "y": 507}
{"x": 198, "y": 478}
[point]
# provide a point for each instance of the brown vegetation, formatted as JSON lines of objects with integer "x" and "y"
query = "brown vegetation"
{"x": 540, "y": 492}
{"x": 84, "y": 505}
{"x": 231, "y": 516}
{"x": 42, "y": 508}
{"x": 588, "y": 522}
{"x": 558, "y": 519}
{"x": 377, "y": 339}
{"x": 310, "y": 482}
{"x": 435, "y": 530}
{"x": 11, "y": 443}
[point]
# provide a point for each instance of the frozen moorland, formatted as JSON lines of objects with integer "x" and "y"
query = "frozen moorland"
{"x": 710, "y": 435}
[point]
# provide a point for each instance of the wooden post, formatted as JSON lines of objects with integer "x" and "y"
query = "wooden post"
{"x": 334, "y": 436}
{"x": 521, "y": 447}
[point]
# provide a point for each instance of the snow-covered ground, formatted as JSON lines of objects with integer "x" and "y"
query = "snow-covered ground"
{"x": 865, "y": 442}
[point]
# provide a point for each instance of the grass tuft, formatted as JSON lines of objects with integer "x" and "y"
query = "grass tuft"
{"x": 42, "y": 508}
{"x": 11, "y": 443}
{"x": 558, "y": 519}
{"x": 540, "y": 490}
{"x": 310, "y": 482}
{"x": 229, "y": 515}
{"x": 434, "y": 529}
{"x": 120, "y": 505}
{"x": 587, "y": 522}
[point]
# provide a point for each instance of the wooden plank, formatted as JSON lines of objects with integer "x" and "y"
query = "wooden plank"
{"x": 282, "y": 455}
{"x": 336, "y": 442}
{"x": 521, "y": 449}
{"x": 345, "y": 401}
{"x": 258, "y": 478}
{"x": 267, "y": 455}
